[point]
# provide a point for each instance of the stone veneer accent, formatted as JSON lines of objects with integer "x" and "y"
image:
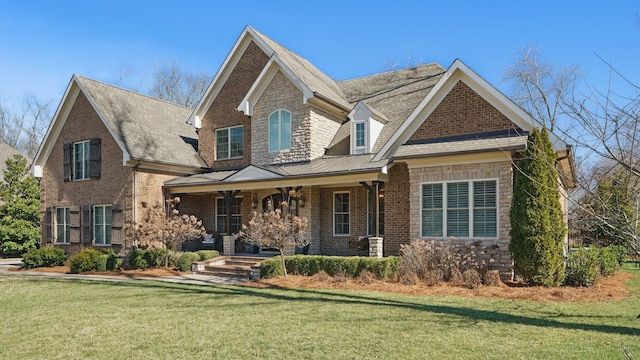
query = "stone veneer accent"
{"x": 312, "y": 129}
{"x": 462, "y": 112}
{"x": 497, "y": 248}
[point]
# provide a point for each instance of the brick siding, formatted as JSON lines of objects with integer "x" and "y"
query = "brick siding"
{"x": 462, "y": 112}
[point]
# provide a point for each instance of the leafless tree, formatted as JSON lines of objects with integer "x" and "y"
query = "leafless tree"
{"x": 24, "y": 129}
{"x": 539, "y": 87}
{"x": 174, "y": 85}
{"x": 603, "y": 128}
{"x": 277, "y": 229}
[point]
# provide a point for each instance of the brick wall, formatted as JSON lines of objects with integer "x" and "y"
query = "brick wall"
{"x": 115, "y": 183}
{"x": 396, "y": 216}
{"x": 497, "y": 248}
{"x": 223, "y": 113}
{"x": 339, "y": 245}
{"x": 461, "y": 112}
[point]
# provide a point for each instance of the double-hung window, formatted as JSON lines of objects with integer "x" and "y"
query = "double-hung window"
{"x": 229, "y": 143}
{"x": 279, "y": 131}
{"x": 81, "y": 159}
{"x": 341, "y": 213}
{"x": 221, "y": 216}
{"x": 102, "y": 217}
{"x": 460, "y": 209}
{"x": 63, "y": 225}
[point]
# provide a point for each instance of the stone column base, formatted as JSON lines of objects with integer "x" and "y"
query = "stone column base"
{"x": 228, "y": 245}
{"x": 375, "y": 247}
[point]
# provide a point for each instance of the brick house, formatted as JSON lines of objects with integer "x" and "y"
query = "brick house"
{"x": 420, "y": 153}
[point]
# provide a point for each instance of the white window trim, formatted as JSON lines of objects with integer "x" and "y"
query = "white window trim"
{"x": 471, "y": 208}
{"x": 360, "y": 149}
{"x": 93, "y": 224}
{"x": 228, "y": 129}
{"x": 279, "y": 131}
{"x": 56, "y": 223}
{"x": 85, "y": 164}
{"x": 225, "y": 215}
{"x": 333, "y": 213}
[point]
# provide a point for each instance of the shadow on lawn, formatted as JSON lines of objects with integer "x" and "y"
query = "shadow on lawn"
{"x": 309, "y": 295}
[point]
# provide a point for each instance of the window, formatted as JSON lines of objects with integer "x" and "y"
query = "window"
{"x": 360, "y": 134}
{"x": 63, "y": 225}
{"x": 485, "y": 209}
{"x": 229, "y": 143}
{"x": 371, "y": 209}
{"x": 102, "y": 216}
{"x": 221, "y": 216}
{"x": 341, "y": 213}
{"x": 451, "y": 215}
{"x": 279, "y": 131}
{"x": 81, "y": 158}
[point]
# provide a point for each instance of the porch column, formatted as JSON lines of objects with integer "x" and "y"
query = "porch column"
{"x": 374, "y": 190}
{"x": 375, "y": 247}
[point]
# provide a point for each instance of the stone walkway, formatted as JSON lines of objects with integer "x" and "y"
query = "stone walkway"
{"x": 191, "y": 279}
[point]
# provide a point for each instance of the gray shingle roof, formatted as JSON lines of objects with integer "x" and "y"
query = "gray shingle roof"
{"x": 7, "y": 152}
{"x": 315, "y": 79}
{"x": 150, "y": 129}
{"x": 328, "y": 165}
{"x": 394, "y": 94}
{"x": 460, "y": 147}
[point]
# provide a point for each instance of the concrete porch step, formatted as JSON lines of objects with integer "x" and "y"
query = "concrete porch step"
{"x": 237, "y": 267}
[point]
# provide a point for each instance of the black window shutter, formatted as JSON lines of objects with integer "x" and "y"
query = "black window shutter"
{"x": 87, "y": 231}
{"x": 117, "y": 224}
{"x": 74, "y": 217}
{"x": 94, "y": 158}
{"x": 67, "y": 161}
{"x": 48, "y": 225}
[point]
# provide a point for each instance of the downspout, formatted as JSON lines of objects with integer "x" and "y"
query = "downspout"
{"x": 135, "y": 205}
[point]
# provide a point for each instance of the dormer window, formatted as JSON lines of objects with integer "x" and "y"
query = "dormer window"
{"x": 279, "y": 131}
{"x": 360, "y": 134}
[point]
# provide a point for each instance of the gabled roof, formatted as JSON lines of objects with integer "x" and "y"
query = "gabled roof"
{"x": 394, "y": 94}
{"x": 145, "y": 128}
{"x": 321, "y": 85}
{"x": 458, "y": 71}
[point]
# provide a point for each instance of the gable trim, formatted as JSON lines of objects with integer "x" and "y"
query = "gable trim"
{"x": 458, "y": 71}
{"x": 264, "y": 79}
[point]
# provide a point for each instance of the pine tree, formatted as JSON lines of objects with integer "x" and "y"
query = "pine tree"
{"x": 537, "y": 226}
{"x": 19, "y": 209}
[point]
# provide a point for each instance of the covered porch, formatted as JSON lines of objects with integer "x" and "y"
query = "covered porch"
{"x": 344, "y": 207}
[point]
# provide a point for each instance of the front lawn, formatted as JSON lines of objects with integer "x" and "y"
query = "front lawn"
{"x": 67, "y": 319}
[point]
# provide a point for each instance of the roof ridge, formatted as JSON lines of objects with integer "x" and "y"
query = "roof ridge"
{"x": 132, "y": 91}
{"x": 392, "y": 71}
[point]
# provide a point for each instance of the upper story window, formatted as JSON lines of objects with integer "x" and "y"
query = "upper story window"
{"x": 279, "y": 131}
{"x": 460, "y": 209}
{"x": 360, "y": 134}
{"x": 81, "y": 153}
{"x": 229, "y": 143}
{"x": 81, "y": 160}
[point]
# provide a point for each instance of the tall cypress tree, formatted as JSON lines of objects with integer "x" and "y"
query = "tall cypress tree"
{"x": 537, "y": 226}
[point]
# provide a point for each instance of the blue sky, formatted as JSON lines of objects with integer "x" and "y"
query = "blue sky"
{"x": 42, "y": 43}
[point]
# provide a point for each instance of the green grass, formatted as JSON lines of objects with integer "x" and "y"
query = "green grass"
{"x": 67, "y": 319}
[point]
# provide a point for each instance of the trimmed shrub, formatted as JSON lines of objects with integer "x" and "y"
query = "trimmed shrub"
{"x": 492, "y": 278}
{"x": 583, "y": 268}
{"x": 608, "y": 261}
{"x": 88, "y": 260}
{"x": 44, "y": 257}
{"x": 186, "y": 259}
{"x": 620, "y": 251}
{"x": 114, "y": 261}
{"x": 309, "y": 265}
{"x": 155, "y": 256}
{"x": 207, "y": 254}
{"x": 137, "y": 260}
